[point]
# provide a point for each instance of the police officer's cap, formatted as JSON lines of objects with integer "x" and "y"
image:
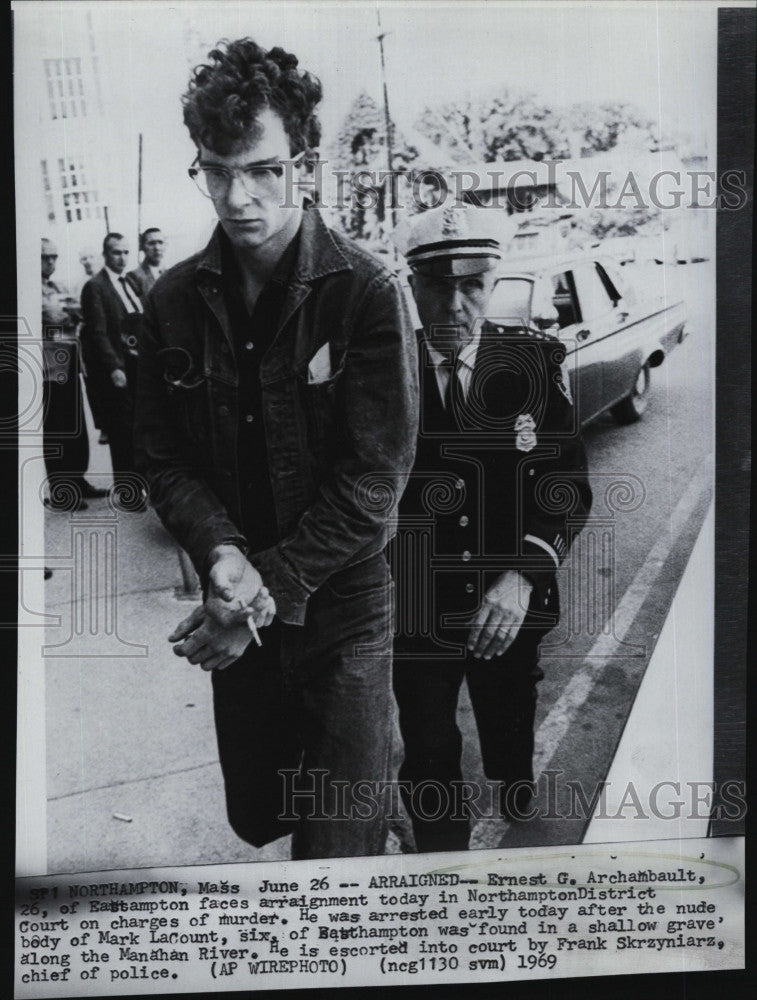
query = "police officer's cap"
{"x": 452, "y": 240}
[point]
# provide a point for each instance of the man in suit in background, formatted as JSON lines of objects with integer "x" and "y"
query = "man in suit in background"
{"x": 498, "y": 491}
{"x": 65, "y": 431}
{"x": 152, "y": 245}
{"x": 112, "y": 311}
{"x": 88, "y": 260}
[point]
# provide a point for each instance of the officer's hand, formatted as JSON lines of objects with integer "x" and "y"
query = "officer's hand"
{"x": 500, "y": 616}
{"x": 206, "y": 642}
{"x": 118, "y": 378}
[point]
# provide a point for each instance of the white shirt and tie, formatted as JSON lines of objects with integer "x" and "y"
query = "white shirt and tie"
{"x": 125, "y": 291}
{"x": 465, "y": 362}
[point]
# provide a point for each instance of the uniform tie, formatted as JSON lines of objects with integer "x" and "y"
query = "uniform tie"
{"x": 453, "y": 393}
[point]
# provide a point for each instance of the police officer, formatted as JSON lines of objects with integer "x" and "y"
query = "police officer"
{"x": 498, "y": 491}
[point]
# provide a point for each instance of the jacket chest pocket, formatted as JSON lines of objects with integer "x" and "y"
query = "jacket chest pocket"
{"x": 190, "y": 411}
{"x": 319, "y": 403}
{"x": 188, "y": 391}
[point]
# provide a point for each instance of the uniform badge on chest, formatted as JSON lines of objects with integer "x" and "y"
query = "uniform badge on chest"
{"x": 525, "y": 432}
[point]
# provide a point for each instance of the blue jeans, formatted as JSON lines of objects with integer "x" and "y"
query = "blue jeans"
{"x": 304, "y": 718}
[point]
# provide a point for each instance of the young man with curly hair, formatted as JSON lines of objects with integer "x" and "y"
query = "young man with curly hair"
{"x": 277, "y": 413}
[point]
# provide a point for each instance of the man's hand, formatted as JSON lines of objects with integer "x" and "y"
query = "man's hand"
{"x": 500, "y": 616}
{"x": 118, "y": 377}
{"x": 206, "y": 642}
{"x": 234, "y": 584}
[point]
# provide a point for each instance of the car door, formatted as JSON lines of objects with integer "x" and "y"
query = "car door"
{"x": 623, "y": 349}
{"x": 603, "y": 319}
{"x": 576, "y": 332}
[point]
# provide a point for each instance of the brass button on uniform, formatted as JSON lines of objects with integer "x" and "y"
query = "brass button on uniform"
{"x": 459, "y": 484}
{"x": 464, "y": 521}
{"x": 249, "y": 345}
{"x": 466, "y": 556}
{"x": 223, "y": 410}
{"x": 249, "y": 418}
{"x": 469, "y": 588}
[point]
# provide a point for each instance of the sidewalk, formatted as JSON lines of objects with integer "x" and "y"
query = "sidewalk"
{"x": 132, "y": 765}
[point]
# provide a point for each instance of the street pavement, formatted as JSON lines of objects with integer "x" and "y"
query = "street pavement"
{"x": 132, "y": 767}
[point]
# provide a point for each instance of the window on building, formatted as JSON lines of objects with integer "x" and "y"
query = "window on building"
{"x": 65, "y": 88}
{"x": 49, "y": 204}
{"x": 80, "y": 200}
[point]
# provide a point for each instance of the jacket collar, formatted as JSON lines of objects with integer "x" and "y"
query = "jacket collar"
{"x": 318, "y": 253}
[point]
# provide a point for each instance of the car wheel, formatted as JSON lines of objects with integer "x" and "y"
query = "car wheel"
{"x": 632, "y": 408}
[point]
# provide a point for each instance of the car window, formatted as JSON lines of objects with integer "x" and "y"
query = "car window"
{"x": 620, "y": 281}
{"x": 565, "y": 300}
{"x": 511, "y": 300}
{"x": 610, "y": 287}
{"x": 593, "y": 296}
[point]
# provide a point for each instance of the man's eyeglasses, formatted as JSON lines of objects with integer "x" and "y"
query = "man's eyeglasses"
{"x": 258, "y": 178}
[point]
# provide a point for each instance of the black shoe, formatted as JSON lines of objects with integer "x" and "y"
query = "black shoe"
{"x": 103, "y": 439}
{"x": 67, "y": 508}
{"x": 91, "y": 492}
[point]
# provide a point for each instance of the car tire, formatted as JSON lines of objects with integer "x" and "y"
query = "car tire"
{"x": 632, "y": 408}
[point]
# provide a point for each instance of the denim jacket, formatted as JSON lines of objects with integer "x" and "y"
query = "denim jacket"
{"x": 340, "y": 447}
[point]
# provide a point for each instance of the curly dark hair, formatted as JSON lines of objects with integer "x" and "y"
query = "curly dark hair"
{"x": 226, "y": 96}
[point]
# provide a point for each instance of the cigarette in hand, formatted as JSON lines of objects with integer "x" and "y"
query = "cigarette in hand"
{"x": 254, "y": 629}
{"x": 251, "y": 623}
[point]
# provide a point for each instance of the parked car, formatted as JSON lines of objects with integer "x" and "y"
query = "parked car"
{"x": 621, "y": 249}
{"x": 613, "y": 334}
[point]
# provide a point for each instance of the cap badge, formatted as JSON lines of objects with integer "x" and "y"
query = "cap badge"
{"x": 451, "y": 221}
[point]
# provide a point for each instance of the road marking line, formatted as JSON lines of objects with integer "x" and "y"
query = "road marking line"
{"x": 488, "y": 833}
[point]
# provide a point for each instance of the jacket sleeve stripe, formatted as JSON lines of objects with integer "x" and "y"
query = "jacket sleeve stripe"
{"x": 544, "y": 545}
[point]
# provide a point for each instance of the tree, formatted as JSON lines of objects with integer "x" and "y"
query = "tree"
{"x": 601, "y": 127}
{"x": 501, "y": 126}
{"x": 360, "y": 150}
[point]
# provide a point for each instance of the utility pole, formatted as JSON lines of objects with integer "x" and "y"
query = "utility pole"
{"x": 139, "y": 190}
{"x": 387, "y": 123}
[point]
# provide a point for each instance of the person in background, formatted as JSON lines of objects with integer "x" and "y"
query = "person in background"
{"x": 88, "y": 260}
{"x": 113, "y": 312}
{"x": 498, "y": 448}
{"x": 66, "y": 443}
{"x": 152, "y": 244}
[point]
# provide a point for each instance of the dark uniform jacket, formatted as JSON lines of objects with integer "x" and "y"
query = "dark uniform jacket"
{"x": 500, "y": 482}
{"x": 340, "y": 448}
